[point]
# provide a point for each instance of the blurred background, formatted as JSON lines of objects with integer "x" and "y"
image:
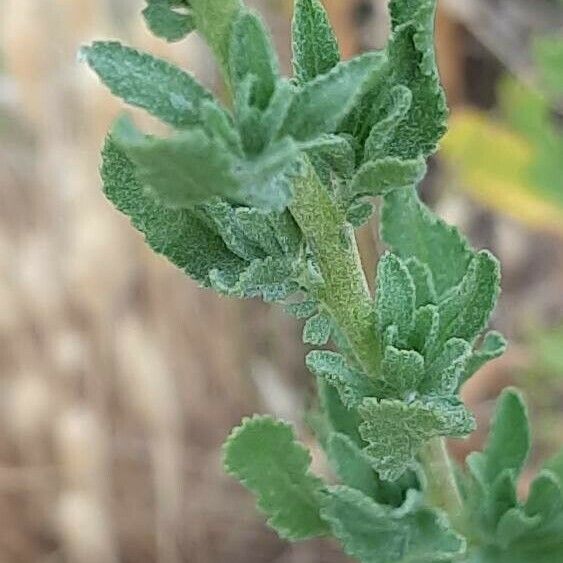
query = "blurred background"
{"x": 120, "y": 379}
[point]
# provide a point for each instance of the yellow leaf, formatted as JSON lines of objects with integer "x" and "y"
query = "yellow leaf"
{"x": 493, "y": 164}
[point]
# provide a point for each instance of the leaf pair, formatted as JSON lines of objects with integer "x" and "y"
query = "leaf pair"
{"x": 264, "y": 456}
{"x": 512, "y": 530}
{"x": 238, "y": 251}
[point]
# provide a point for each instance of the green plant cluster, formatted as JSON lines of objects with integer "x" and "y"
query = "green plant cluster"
{"x": 260, "y": 198}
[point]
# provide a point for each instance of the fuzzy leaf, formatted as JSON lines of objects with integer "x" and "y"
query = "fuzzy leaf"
{"x": 182, "y": 170}
{"x": 214, "y": 19}
{"x": 264, "y": 455}
{"x": 332, "y": 367}
{"x": 252, "y": 54}
{"x": 167, "y": 23}
{"x": 320, "y": 105}
{"x": 396, "y": 430}
{"x": 359, "y": 213}
{"x": 513, "y": 525}
{"x": 466, "y": 311}
{"x": 315, "y": 48}
{"x": 509, "y": 439}
{"x": 303, "y": 309}
{"x": 411, "y": 230}
{"x": 374, "y": 533}
{"x": 141, "y": 80}
{"x": 493, "y": 346}
{"x": 423, "y": 282}
{"x": 395, "y": 296}
{"x": 425, "y": 329}
{"x": 317, "y": 330}
{"x": 400, "y": 100}
{"x": 402, "y": 371}
{"x": 183, "y": 236}
{"x": 444, "y": 372}
{"x": 379, "y": 177}
{"x": 351, "y": 464}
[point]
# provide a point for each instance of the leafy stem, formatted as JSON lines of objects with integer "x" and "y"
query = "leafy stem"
{"x": 343, "y": 290}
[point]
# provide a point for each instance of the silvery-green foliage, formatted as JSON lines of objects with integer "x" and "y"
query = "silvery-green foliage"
{"x": 260, "y": 198}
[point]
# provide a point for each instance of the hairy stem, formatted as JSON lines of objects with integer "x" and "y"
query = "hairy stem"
{"x": 344, "y": 291}
{"x": 345, "y": 294}
{"x": 442, "y": 490}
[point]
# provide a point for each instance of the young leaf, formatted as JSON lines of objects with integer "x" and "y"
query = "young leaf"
{"x": 425, "y": 331}
{"x": 545, "y": 498}
{"x": 303, "y": 309}
{"x": 183, "y": 236}
{"x": 252, "y": 54}
{"x": 374, "y": 533}
{"x": 317, "y": 330}
{"x": 214, "y": 19}
{"x": 509, "y": 439}
{"x": 444, "y": 372}
{"x": 396, "y": 430}
{"x": 167, "y": 23}
{"x": 411, "y": 230}
{"x": 412, "y": 64}
{"x": 423, "y": 282}
{"x": 402, "y": 371}
{"x": 395, "y": 296}
{"x": 466, "y": 311}
{"x": 264, "y": 455}
{"x": 351, "y": 464}
{"x": 400, "y": 100}
{"x": 379, "y": 177}
{"x": 320, "y": 105}
{"x": 493, "y": 346}
{"x": 157, "y": 86}
{"x": 332, "y": 367}
{"x": 315, "y": 48}
{"x": 183, "y": 170}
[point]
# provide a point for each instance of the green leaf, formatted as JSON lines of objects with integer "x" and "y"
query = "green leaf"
{"x": 182, "y": 170}
{"x": 466, "y": 311}
{"x": 359, "y": 213}
{"x": 332, "y": 367}
{"x": 143, "y": 81}
{"x": 264, "y": 455}
{"x": 412, "y": 230}
{"x": 183, "y": 236}
{"x": 320, "y": 105}
{"x": 400, "y": 100}
{"x": 509, "y": 438}
{"x": 214, "y": 19}
{"x": 493, "y": 346}
{"x": 351, "y": 464}
{"x": 395, "y": 295}
{"x": 513, "y": 525}
{"x": 402, "y": 371}
{"x": 425, "y": 329}
{"x": 374, "y": 533}
{"x": 379, "y": 177}
{"x": 315, "y": 48}
{"x": 167, "y": 23}
{"x": 444, "y": 372}
{"x": 423, "y": 282}
{"x": 555, "y": 465}
{"x": 303, "y": 309}
{"x": 412, "y": 64}
{"x": 317, "y": 330}
{"x": 252, "y": 54}
{"x": 396, "y": 430}
{"x": 545, "y": 498}
{"x": 339, "y": 418}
